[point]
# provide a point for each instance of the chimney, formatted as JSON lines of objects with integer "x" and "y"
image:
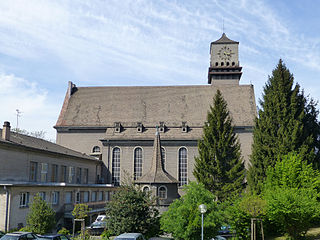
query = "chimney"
{"x": 6, "y": 131}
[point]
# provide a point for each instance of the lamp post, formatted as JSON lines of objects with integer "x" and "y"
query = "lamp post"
{"x": 203, "y": 209}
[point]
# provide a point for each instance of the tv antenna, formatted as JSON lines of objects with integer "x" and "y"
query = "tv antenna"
{"x": 18, "y": 113}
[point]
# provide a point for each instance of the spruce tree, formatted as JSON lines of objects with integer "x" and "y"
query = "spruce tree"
{"x": 286, "y": 122}
{"x": 219, "y": 165}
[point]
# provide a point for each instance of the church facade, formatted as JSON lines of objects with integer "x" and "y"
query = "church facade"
{"x": 118, "y": 124}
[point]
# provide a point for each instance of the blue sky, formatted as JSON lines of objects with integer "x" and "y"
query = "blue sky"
{"x": 45, "y": 44}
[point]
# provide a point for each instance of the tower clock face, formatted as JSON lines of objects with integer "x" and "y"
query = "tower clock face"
{"x": 225, "y": 53}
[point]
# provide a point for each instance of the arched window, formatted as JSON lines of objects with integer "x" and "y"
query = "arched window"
{"x": 96, "y": 149}
{"x": 137, "y": 171}
{"x": 116, "y": 166}
{"x": 183, "y": 171}
{"x": 146, "y": 189}
{"x": 162, "y": 192}
{"x": 163, "y": 156}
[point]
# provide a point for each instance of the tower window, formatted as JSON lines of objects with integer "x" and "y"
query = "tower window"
{"x": 146, "y": 189}
{"x": 163, "y": 157}
{"x": 137, "y": 163}
{"x": 233, "y": 63}
{"x": 217, "y": 64}
{"x": 116, "y": 166}
{"x": 222, "y": 63}
{"x": 228, "y": 63}
{"x": 183, "y": 171}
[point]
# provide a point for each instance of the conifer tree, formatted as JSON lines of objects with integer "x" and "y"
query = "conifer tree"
{"x": 219, "y": 165}
{"x": 287, "y": 121}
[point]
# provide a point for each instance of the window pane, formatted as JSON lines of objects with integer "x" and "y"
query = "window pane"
{"x": 33, "y": 171}
{"x": 116, "y": 166}
{"x": 68, "y": 197}
{"x": 183, "y": 174}
{"x": 54, "y": 173}
{"x": 63, "y": 177}
{"x": 44, "y": 172}
{"x": 71, "y": 175}
{"x": 137, "y": 163}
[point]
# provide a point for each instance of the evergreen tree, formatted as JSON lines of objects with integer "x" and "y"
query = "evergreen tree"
{"x": 219, "y": 165}
{"x": 41, "y": 218}
{"x": 286, "y": 122}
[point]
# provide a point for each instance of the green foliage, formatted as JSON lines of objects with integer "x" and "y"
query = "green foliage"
{"x": 132, "y": 210}
{"x": 80, "y": 211}
{"x": 253, "y": 205}
{"x": 64, "y": 231}
{"x": 106, "y": 235}
{"x": 219, "y": 165}
{"x": 183, "y": 219}
{"x": 286, "y": 122}
{"x": 238, "y": 219}
{"x": 291, "y": 192}
{"x": 41, "y": 217}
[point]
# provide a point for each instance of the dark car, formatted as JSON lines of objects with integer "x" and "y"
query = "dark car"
{"x": 19, "y": 236}
{"x": 1, "y": 234}
{"x": 130, "y": 236}
{"x": 53, "y": 237}
{"x": 97, "y": 228}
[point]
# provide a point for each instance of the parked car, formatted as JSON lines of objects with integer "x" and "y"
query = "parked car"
{"x": 97, "y": 228}
{"x": 1, "y": 234}
{"x": 53, "y": 237}
{"x": 218, "y": 237}
{"x": 19, "y": 236}
{"x": 130, "y": 236}
{"x": 100, "y": 218}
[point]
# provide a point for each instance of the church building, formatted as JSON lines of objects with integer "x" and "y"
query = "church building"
{"x": 122, "y": 125}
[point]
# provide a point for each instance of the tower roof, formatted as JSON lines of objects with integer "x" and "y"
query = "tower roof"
{"x": 157, "y": 174}
{"x": 224, "y": 39}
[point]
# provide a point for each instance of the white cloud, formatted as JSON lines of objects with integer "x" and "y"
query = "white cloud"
{"x": 32, "y": 101}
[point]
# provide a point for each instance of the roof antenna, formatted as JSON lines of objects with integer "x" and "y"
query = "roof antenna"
{"x": 18, "y": 115}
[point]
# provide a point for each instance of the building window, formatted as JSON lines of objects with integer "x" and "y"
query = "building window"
{"x": 86, "y": 196}
{"x": 146, "y": 189}
{"x": 42, "y": 195}
{"x": 63, "y": 177}
{"x": 163, "y": 157}
{"x": 55, "y": 198}
{"x": 183, "y": 174}
{"x": 137, "y": 163}
{"x": 71, "y": 175}
{"x": 78, "y": 197}
{"x": 78, "y": 177}
{"x": 33, "y": 171}
{"x": 24, "y": 199}
{"x": 107, "y": 196}
{"x": 116, "y": 166}
{"x": 96, "y": 149}
{"x": 93, "y": 196}
{"x": 162, "y": 192}
{"x": 54, "y": 173}
{"x": 100, "y": 196}
{"x": 68, "y": 197}
{"x": 44, "y": 172}
{"x": 85, "y": 176}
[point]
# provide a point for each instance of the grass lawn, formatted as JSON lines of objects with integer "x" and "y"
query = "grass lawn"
{"x": 312, "y": 234}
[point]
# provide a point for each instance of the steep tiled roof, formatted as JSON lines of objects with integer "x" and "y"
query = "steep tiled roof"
{"x": 224, "y": 39}
{"x": 21, "y": 140}
{"x": 157, "y": 174}
{"x": 103, "y": 106}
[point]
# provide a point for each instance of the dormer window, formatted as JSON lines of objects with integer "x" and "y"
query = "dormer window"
{"x": 184, "y": 127}
{"x": 117, "y": 127}
{"x": 139, "y": 127}
{"x": 96, "y": 149}
{"x": 162, "y": 127}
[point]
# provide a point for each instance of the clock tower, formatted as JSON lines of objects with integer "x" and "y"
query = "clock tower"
{"x": 224, "y": 62}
